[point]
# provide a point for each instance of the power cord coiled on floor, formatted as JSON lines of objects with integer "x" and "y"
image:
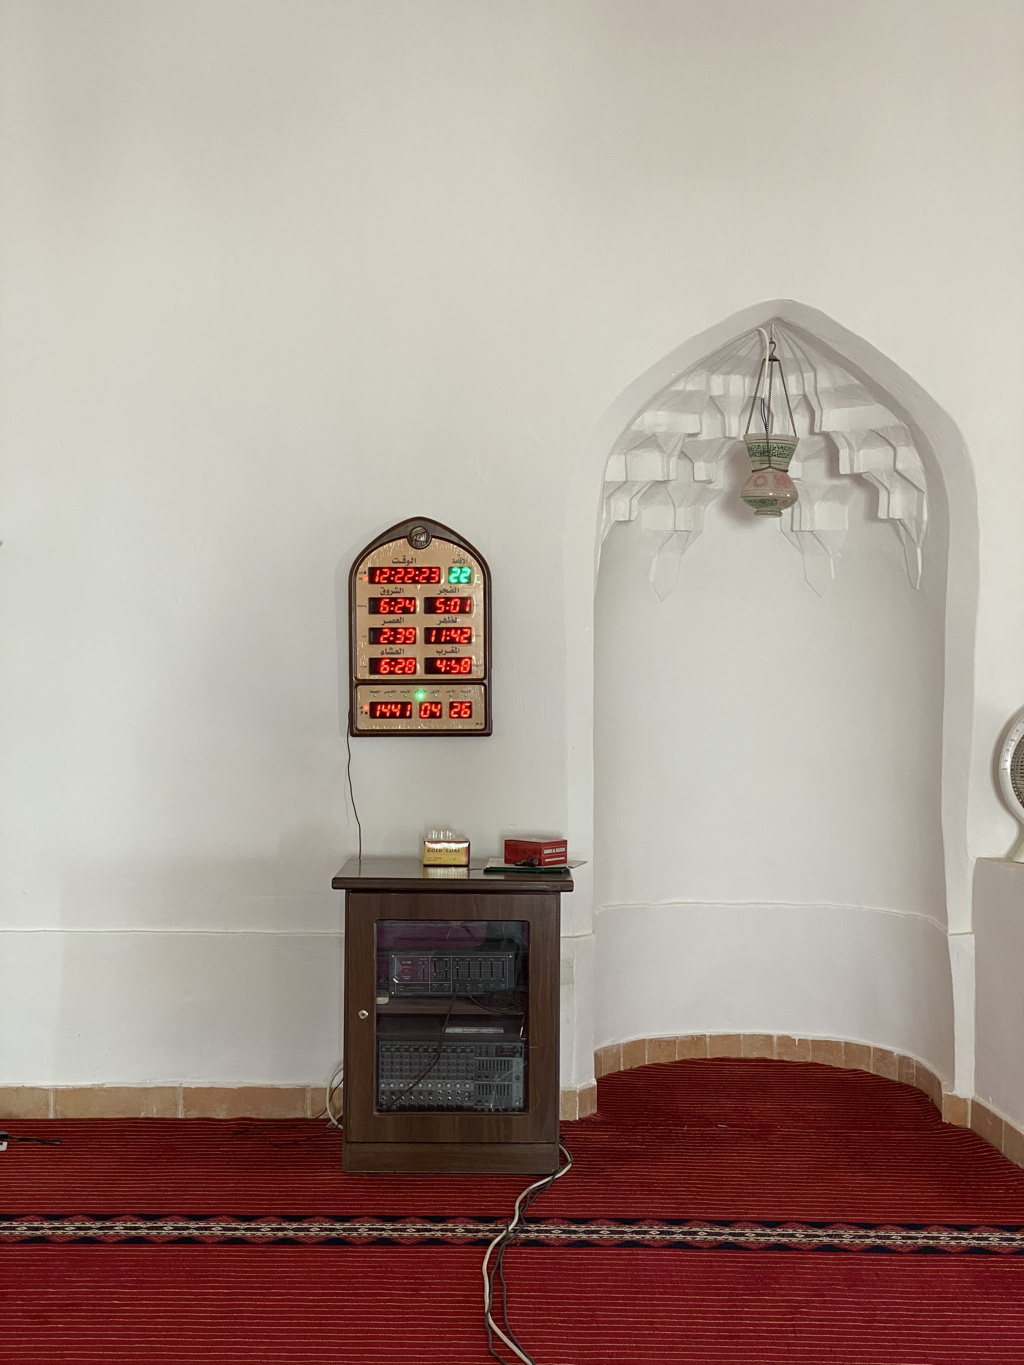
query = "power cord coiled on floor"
{"x": 494, "y": 1265}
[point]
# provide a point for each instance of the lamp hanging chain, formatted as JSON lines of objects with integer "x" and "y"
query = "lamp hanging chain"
{"x": 769, "y": 491}
{"x": 771, "y": 358}
{"x": 753, "y": 401}
{"x": 757, "y": 386}
{"x": 766, "y": 403}
{"x": 777, "y": 360}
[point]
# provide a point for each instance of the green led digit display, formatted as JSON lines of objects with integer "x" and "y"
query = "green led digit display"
{"x": 460, "y": 573}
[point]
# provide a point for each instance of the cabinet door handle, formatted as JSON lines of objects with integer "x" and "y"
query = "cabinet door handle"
{"x": 364, "y": 1014}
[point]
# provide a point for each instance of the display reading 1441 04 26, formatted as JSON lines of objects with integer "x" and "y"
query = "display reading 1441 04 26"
{"x": 420, "y": 634}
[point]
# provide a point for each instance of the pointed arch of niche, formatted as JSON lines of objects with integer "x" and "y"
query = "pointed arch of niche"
{"x": 674, "y": 457}
{"x": 949, "y": 488}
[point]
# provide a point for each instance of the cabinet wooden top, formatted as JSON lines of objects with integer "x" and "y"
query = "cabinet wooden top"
{"x": 407, "y": 874}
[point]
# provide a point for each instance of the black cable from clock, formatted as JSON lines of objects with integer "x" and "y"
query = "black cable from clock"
{"x": 351, "y": 790}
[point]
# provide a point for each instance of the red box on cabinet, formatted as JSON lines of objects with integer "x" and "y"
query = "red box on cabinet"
{"x": 548, "y": 850}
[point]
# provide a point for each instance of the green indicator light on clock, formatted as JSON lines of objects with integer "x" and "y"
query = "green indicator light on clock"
{"x": 419, "y": 695}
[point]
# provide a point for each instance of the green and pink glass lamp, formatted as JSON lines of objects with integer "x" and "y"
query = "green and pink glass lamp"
{"x": 769, "y": 490}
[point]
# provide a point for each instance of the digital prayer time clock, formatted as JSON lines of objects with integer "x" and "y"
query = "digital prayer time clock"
{"x": 420, "y": 634}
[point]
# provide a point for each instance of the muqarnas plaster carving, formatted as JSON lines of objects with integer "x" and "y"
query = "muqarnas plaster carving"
{"x": 672, "y": 461}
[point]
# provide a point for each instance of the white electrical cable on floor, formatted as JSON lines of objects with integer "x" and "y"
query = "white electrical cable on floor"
{"x": 334, "y": 1081}
{"x": 505, "y": 1235}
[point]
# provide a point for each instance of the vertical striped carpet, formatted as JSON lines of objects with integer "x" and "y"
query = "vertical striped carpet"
{"x": 718, "y": 1212}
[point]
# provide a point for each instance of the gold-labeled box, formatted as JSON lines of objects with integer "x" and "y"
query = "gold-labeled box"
{"x": 445, "y": 852}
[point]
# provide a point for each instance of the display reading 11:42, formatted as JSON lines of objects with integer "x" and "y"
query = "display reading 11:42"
{"x": 420, "y": 634}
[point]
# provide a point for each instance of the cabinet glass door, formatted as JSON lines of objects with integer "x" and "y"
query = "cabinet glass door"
{"x": 452, "y": 1018}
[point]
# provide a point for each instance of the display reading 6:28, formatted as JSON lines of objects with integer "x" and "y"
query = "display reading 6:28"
{"x": 387, "y": 666}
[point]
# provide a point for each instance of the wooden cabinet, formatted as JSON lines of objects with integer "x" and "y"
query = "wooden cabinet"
{"x": 451, "y": 1018}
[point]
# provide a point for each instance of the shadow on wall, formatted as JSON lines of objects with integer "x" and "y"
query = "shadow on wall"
{"x": 776, "y": 810}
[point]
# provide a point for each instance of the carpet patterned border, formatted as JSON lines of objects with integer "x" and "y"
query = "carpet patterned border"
{"x": 638, "y": 1232}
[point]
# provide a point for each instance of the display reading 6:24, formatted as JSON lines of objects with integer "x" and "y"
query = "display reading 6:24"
{"x": 392, "y": 606}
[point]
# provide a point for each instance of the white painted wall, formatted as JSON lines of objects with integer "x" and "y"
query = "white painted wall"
{"x": 758, "y": 749}
{"x": 999, "y": 931}
{"x": 875, "y": 976}
{"x": 756, "y": 742}
{"x": 264, "y": 264}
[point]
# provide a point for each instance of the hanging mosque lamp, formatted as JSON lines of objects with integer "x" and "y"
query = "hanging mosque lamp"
{"x": 769, "y": 490}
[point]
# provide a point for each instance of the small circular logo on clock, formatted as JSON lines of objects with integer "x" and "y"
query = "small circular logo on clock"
{"x": 419, "y": 537}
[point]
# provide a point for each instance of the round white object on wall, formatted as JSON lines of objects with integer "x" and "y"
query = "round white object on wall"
{"x": 1011, "y": 776}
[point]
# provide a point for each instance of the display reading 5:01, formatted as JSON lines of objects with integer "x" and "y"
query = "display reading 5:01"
{"x": 446, "y": 606}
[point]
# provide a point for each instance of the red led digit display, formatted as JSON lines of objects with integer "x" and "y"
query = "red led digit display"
{"x": 391, "y": 606}
{"x": 430, "y": 710}
{"x": 405, "y": 573}
{"x": 462, "y": 663}
{"x": 447, "y": 635}
{"x": 447, "y": 606}
{"x": 388, "y": 666}
{"x": 392, "y": 635}
{"x": 390, "y": 710}
{"x": 460, "y": 710}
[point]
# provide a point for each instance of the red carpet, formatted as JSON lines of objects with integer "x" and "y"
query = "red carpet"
{"x": 699, "y": 1224}
{"x": 421, "y": 1306}
{"x": 707, "y": 1139}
